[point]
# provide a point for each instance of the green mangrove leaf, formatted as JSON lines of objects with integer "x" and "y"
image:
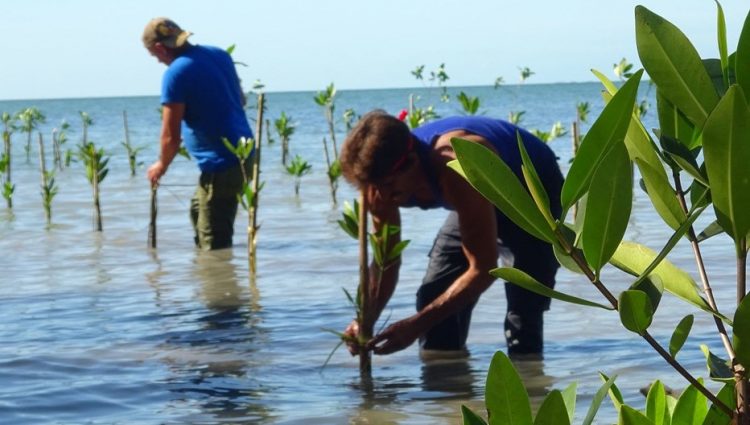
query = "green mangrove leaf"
{"x": 505, "y": 396}
{"x": 700, "y": 196}
{"x": 691, "y": 407}
{"x": 742, "y": 57}
{"x": 711, "y": 230}
{"x": 552, "y": 411}
{"x": 609, "y": 204}
{"x": 674, "y": 66}
{"x": 683, "y": 157}
{"x": 634, "y": 258}
{"x": 715, "y": 415}
{"x": 492, "y": 177}
{"x": 741, "y": 331}
{"x": 662, "y": 195}
{"x": 520, "y": 278}
{"x": 637, "y": 139}
{"x": 721, "y": 27}
{"x": 726, "y": 149}
{"x": 563, "y": 257}
{"x": 718, "y": 369}
{"x": 569, "y": 397}
{"x": 596, "y": 402}
{"x": 630, "y": 416}
{"x": 609, "y": 128}
{"x": 680, "y": 335}
{"x": 614, "y": 393}
{"x": 674, "y": 123}
{"x": 716, "y": 72}
{"x": 656, "y": 404}
{"x": 652, "y": 286}
{"x": 534, "y": 183}
{"x": 636, "y": 311}
{"x": 471, "y": 418}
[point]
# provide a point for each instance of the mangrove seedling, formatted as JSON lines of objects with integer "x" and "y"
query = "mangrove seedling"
{"x": 470, "y": 104}
{"x": 131, "y": 150}
{"x": 9, "y": 127}
{"x": 326, "y": 99}
{"x": 350, "y": 118}
{"x": 284, "y": 128}
{"x": 441, "y": 77}
{"x": 30, "y": 119}
{"x": 386, "y": 252}
{"x": 86, "y": 122}
{"x": 270, "y": 138}
{"x": 557, "y": 130}
{"x": 49, "y": 188}
{"x": 95, "y": 162}
{"x": 298, "y": 168}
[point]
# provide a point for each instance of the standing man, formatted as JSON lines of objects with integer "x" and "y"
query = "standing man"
{"x": 403, "y": 168}
{"x": 201, "y": 90}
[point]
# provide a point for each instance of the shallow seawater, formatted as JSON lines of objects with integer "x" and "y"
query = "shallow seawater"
{"x": 96, "y": 328}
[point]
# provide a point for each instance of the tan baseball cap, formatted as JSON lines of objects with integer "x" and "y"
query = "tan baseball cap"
{"x": 166, "y": 32}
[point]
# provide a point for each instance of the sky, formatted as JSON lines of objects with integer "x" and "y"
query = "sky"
{"x": 86, "y": 48}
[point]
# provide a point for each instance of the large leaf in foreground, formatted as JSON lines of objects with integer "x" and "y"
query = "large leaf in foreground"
{"x": 609, "y": 128}
{"x": 691, "y": 407}
{"x": 726, "y": 149}
{"x": 633, "y": 258}
{"x": 506, "y": 397}
{"x": 636, "y": 311}
{"x": 674, "y": 65}
{"x": 520, "y": 278}
{"x": 492, "y": 177}
{"x": 608, "y": 210}
{"x": 552, "y": 411}
{"x": 680, "y": 335}
{"x": 742, "y": 62}
{"x": 662, "y": 194}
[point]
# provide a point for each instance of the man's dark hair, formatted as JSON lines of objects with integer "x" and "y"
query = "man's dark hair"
{"x": 373, "y": 148}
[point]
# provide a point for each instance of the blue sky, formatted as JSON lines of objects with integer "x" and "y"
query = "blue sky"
{"x": 86, "y": 48}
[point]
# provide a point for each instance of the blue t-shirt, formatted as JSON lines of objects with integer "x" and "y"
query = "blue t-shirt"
{"x": 502, "y": 135}
{"x": 205, "y": 80}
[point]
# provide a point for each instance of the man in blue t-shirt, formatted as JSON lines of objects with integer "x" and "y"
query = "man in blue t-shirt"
{"x": 202, "y": 105}
{"x": 399, "y": 167}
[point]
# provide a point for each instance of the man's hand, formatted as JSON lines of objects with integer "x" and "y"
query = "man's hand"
{"x": 351, "y": 335}
{"x": 155, "y": 171}
{"x": 395, "y": 337}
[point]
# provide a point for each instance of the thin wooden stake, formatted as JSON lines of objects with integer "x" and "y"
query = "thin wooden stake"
{"x": 365, "y": 326}
{"x": 152, "y": 220}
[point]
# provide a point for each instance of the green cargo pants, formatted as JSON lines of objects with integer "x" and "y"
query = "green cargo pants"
{"x": 214, "y": 207}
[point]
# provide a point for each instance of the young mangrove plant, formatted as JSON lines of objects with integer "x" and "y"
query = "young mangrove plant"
{"x": 86, "y": 122}
{"x": 326, "y": 99}
{"x": 386, "y": 250}
{"x": 95, "y": 160}
{"x": 470, "y": 104}
{"x": 7, "y": 188}
{"x": 285, "y": 129}
{"x": 131, "y": 150}
{"x": 350, "y": 118}
{"x": 48, "y": 186}
{"x": 440, "y": 76}
{"x": 30, "y": 118}
{"x": 703, "y": 115}
{"x": 298, "y": 168}
{"x": 557, "y": 130}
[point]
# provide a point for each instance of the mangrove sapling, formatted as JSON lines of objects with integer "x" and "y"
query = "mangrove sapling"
{"x": 95, "y": 162}
{"x": 470, "y": 104}
{"x": 49, "y": 188}
{"x": 350, "y": 118}
{"x": 9, "y": 127}
{"x": 386, "y": 249}
{"x": 284, "y": 128}
{"x": 86, "y": 122}
{"x": 441, "y": 77}
{"x": 30, "y": 118}
{"x": 623, "y": 71}
{"x": 326, "y": 99}
{"x": 131, "y": 150}
{"x": 557, "y": 130}
{"x": 298, "y": 168}
{"x": 702, "y": 117}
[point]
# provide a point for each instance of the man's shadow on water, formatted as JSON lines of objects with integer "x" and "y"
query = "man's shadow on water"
{"x": 214, "y": 358}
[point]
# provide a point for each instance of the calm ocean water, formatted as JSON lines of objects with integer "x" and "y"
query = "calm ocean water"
{"x": 95, "y": 328}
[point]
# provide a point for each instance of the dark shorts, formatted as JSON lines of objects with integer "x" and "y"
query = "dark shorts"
{"x": 524, "y": 318}
{"x": 214, "y": 208}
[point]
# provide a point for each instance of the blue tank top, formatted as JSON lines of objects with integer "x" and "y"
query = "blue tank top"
{"x": 502, "y": 136}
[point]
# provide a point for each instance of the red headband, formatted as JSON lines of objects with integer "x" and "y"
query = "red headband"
{"x": 401, "y": 161}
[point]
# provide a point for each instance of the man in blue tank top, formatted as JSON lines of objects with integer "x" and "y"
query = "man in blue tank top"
{"x": 202, "y": 105}
{"x": 403, "y": 168}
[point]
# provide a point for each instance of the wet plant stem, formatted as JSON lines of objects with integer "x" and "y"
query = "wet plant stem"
{"x": 45, "y": 184}
{"x": 152, "y": 220}
{"x": 6, "y": 147}
{"x": 740, "y": 376}
{"x": 702, "y": 270}
{"x": 252, "y": 228}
